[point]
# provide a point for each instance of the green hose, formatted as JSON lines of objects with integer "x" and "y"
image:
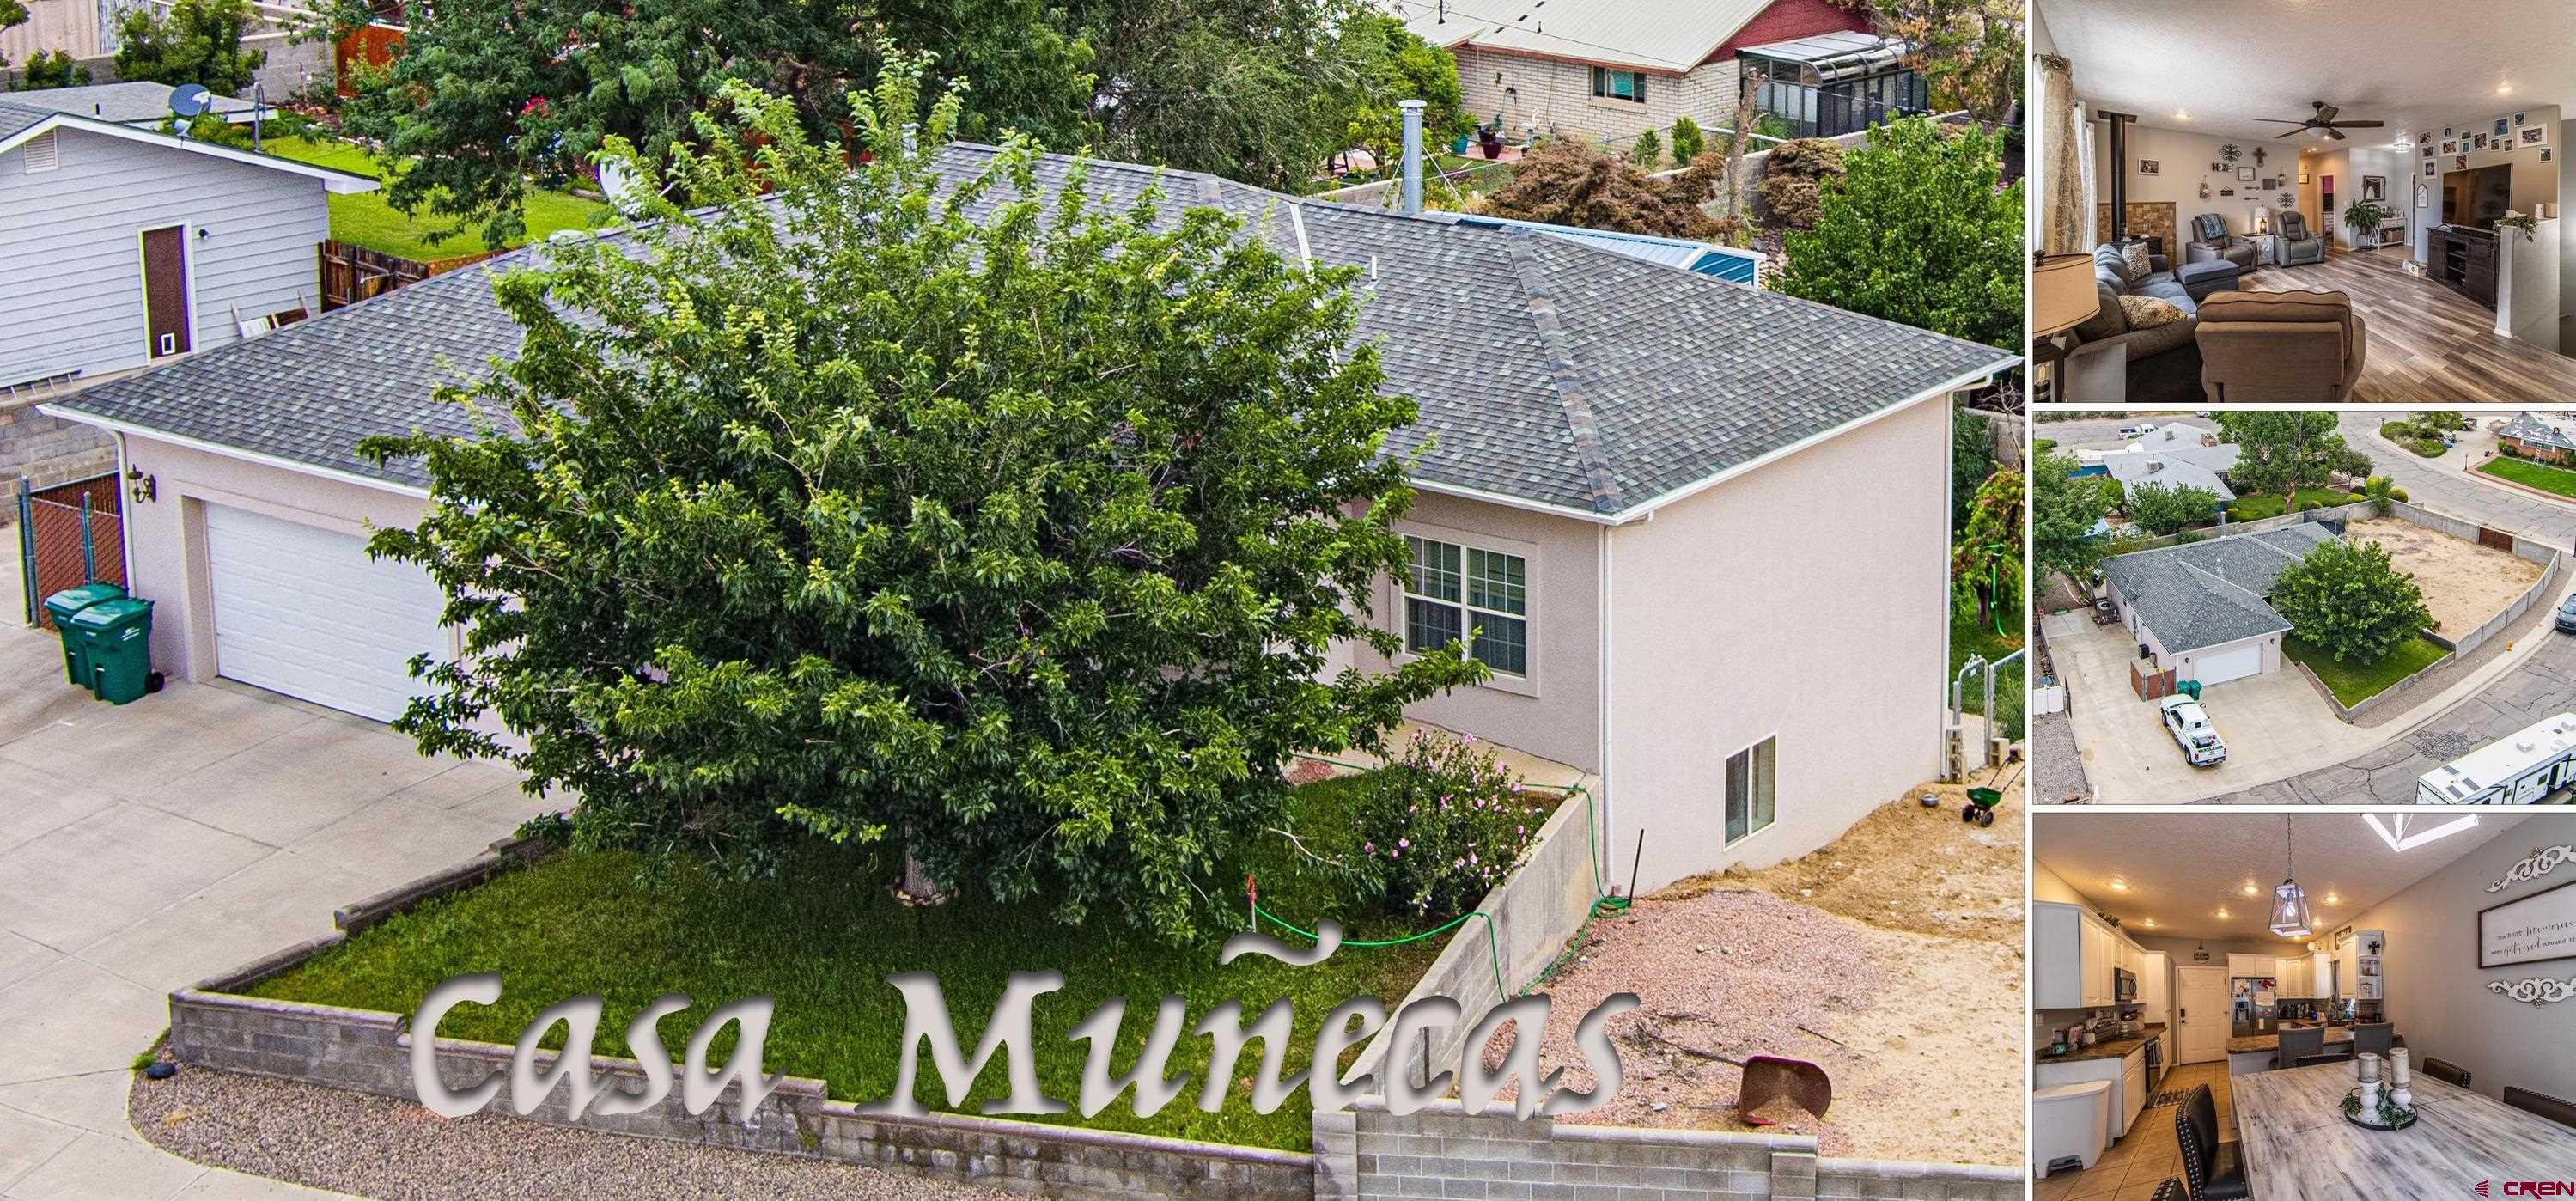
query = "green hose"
{"x": 1602, "y": 902}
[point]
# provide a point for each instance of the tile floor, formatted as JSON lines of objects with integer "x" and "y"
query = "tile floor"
{"x": 2147, "y": 1155}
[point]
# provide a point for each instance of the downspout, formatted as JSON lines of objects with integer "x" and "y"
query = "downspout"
{"x": 1949, "y": 508}
{"x": 1603, "y": 562}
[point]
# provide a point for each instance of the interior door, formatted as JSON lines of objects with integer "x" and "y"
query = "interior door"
{"x": 2200, "y": 1014}
{"x": 165, "y": 290}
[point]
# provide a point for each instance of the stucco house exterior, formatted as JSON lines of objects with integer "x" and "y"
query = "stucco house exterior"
{"x": 122, "y": 246}
{"x": 1611, "y": 69}
{"x": 2198, "y": 610}
{"x": 1622, "y": 468}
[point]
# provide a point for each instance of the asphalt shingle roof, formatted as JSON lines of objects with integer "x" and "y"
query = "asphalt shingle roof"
{"x": 2204, "y": 594}
{"x": 2540, "y": 430}
{"x": 1545, "y": 370}
{"x": 123, "y": 103}
{"x": 15, "y": 118}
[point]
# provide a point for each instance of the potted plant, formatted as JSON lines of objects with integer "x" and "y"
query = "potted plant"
{"x": 2517, "y": 219}
{"x": 2365, "y": 218}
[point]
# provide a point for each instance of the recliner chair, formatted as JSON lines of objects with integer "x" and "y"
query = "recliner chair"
{"x": 2298, "y": 246}
{"x": 2280, "y": 347}
{"x": 2212, "y": 243}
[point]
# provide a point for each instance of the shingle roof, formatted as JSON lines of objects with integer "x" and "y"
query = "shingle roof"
{"x": 2541, "y": 429}
{"x": 2204, "y": 594}
{"x": 15, "y": 118}
{"x": 1657, "y": 35}
{"x": 122, "y": 103}
{"x": 1545, "y": 370}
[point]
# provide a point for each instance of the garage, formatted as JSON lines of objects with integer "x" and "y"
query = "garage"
{"x": 303, "y": 611}
{"x": 2234, "y": 663}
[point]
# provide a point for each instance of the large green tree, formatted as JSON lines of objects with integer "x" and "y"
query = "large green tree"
{"x": 2171, "y": 509}
{"x": 2063, "y": 512}
{"x": 2350, "y": 601}
{"x": 482, "y": 99}
{"x": 2282, "y": 451}
{"x": 1397, "y": 65}
{"x": 1985, "y": 557}
{"x": 1970, "y": 50}
{"x": 1263, "y": 91}
{"x": 1918, "y": 230}
{"x": 832, "y": 511}
{"x": 199, "y": 42}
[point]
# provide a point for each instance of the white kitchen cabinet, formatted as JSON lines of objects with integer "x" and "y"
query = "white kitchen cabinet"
{"x": 2244, "y": 966}
{"x": 2321, "y": 974}
{"x": 2344, "y": 974}
{"x": 2294, "y": 977}
{"x": 2133, "y": 1088}
{"x": 2072, "y": 954}
{"x": 2100, "y": 956}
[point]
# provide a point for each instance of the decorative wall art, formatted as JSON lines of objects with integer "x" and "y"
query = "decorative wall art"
{"x": 2480, "y": 142}
{"x": 2500, "y": 127}
{"x": 2544, "y": 154}
{"x": 2420, "y": 199}
{"x": 2303, "y": 177}
{"x": 2519, "y": 118}
{"x": 2449, "y": 147}
{"x": 2204, "y": 189}
{"x": 2258, "y": 156}
{"x": 2226, "y": 191}
{"x": 2245, "y": 173}
{"x": 2540, "y": 928}
{"x": 2374, "y": 187}
{"x": 2531, "y": 135}
{"x": 2217, "y": 167}
{"x": 2459, "y": 162}
{"x": 2431, "y": 169}
{"x": 2535, "y": 865}
{"x": 2288, "y": 201}
{"x": 2270, "y": 184}
{"x": 2148, "y": 166}
{"x": 2230, "y": 152}
{"x": 2540, "y": 991}
{"x": 2424, "y": 138}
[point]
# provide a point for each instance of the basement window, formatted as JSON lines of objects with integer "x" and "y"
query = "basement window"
{"x": 1752, "y": 789}
{"x": 1454, "y": 589}
{"x": 1611, "y": 84}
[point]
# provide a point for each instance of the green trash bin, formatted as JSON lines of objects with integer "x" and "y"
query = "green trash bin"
{"x": 60, "y": 607}
{"x": 120, "y": 647}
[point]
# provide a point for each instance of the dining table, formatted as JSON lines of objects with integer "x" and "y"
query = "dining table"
{"x": 2297, "y": 1146}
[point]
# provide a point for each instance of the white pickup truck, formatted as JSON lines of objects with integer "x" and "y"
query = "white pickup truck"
{"x": 2189, "y": 725}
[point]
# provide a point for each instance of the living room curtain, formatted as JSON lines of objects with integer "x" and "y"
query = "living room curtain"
{"x": 2066, "y": 211}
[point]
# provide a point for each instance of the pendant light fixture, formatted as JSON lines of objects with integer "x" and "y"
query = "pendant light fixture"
{"x": 2289, "y": 901}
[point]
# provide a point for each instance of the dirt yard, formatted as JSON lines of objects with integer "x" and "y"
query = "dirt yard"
{"x": 2464, "y": 583}
{"x": 1891, "y": 958}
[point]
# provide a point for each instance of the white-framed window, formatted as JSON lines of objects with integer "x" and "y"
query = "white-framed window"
{"x": 1752, "y": 789}
{"x": 1455, "y": 589}
{"x": 1612, "y": 84}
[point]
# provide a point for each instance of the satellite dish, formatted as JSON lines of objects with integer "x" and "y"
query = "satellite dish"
{"x": 190, "y": 99}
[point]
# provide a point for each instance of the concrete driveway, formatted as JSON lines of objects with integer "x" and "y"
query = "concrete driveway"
{"x": 2274, "y": 724}
{"x": 145, "y": 847}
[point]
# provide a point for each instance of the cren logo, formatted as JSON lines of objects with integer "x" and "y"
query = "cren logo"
{"x": 2534, "y": 1188}
{"x": 2482, "y": 1188}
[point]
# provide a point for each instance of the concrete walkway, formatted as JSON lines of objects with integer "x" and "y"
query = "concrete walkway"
{"x": 146, "y": 847}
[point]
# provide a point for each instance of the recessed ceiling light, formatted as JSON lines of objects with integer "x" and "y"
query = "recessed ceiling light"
{"x": 2251, "y": 889}
{"x": 2222, "y": 911}
{"x": 2181, "y": 115}
{"x": 2504, "y": 89}
{"x": 2118, "y": 885}
{"x": 2151, "y": 923}
{"x": 2333, "y": 899}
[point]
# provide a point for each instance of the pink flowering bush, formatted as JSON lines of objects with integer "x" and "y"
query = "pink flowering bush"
{"x": 1440, "y": 825}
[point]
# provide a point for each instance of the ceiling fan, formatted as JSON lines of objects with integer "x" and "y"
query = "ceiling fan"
{"x": 2323, "y": 122}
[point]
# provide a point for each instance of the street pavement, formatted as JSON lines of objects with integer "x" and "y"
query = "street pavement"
{"x": 2540, "y": 680}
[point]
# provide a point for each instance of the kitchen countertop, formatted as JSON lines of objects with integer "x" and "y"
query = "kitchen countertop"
{"x": 2272, "y": 1042}
{"x": 2114, "y": 1048}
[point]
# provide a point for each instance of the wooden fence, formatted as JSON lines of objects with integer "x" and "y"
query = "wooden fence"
{"x": 354, "y": 273}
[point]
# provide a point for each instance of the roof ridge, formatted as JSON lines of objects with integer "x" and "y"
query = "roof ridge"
{"x": 1572, "y": 400}
{"x": 2231, "y": 586}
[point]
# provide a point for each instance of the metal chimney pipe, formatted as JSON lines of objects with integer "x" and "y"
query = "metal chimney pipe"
{"x": 1412, "y": 155}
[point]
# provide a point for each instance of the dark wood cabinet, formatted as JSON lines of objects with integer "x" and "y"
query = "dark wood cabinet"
{"x": 2463, "y": 260}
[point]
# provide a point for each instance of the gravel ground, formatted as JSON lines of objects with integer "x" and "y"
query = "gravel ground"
{"x": 1891, "y": 958}
{"x": 2056, "y": 763}
{"x": 370, "y": 1146}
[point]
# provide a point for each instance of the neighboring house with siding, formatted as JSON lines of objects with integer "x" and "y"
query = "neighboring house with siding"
{"x": 1620, "y": 467}
{"x": 122, "y": 246}
{"x": 1611, "y": 69}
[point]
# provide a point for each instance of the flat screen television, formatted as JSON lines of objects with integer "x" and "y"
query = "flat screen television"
{"x": 2476, "y": 197}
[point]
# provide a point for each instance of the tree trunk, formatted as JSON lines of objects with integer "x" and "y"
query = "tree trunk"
{"x": 916, "y": 888}
{"x": 1738, "y": 196}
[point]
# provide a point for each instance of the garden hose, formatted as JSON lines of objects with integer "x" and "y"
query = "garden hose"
{"x": 1602, "y": 902}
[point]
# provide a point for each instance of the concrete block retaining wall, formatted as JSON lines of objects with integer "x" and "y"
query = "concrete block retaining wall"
{"x": 1442, "y": 1152}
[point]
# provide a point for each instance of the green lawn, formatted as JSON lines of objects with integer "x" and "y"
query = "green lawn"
{"x": 584, "y": 922}
{"x": 1968, "y": 638}
{"x": 366, "y": 220}
{"x": 2353, "y": 683}
{"x": 2256, "y": 508}
{"x": 2532, "y": 475}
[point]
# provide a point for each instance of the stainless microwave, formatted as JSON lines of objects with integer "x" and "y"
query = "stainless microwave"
{"x": 2124, "y": 985}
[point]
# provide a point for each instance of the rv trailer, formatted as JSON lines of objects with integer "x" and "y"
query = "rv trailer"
{"x": 2517, "y": 770}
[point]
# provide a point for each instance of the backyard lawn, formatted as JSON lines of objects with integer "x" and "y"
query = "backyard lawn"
{"x": 2256, "y": 508}
{"x": 367, "y": 220}
{"x": 2532, "y": 475}
{"x": 585, "y": 922}
{"x": 2353, "y": 683}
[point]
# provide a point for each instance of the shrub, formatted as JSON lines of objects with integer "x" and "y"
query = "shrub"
{"x": 1647, "y": 151}
{"x": 1687, "y": 140}
{"x": 2164, "y": 510}
{"x": 1441, "y": 824}
{"x": 1917, "y": 231}
{"x": 2350, "y": 601}
{"x": 51, "y": 69}
{"x": 1793, "y": 180}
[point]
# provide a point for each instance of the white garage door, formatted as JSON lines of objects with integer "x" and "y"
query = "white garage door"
{"x": 2235, "y": 663}
{"x": 304, "y": 611}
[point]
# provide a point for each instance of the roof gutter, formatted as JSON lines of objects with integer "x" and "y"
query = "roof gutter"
{"x": 121, "y": 429}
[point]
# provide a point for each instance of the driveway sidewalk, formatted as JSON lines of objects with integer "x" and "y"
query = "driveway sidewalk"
{"x": 148, "y": 846}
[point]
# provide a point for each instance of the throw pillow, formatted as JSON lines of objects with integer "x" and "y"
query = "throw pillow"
{"x": 2148, "y": 312}
{"x": 2134, "y": 256}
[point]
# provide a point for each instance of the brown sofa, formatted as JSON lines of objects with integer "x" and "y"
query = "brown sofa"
{"x": 2285, "y": 347}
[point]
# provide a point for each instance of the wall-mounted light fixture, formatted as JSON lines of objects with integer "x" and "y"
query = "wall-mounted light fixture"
{"x": 142, "y": 488}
